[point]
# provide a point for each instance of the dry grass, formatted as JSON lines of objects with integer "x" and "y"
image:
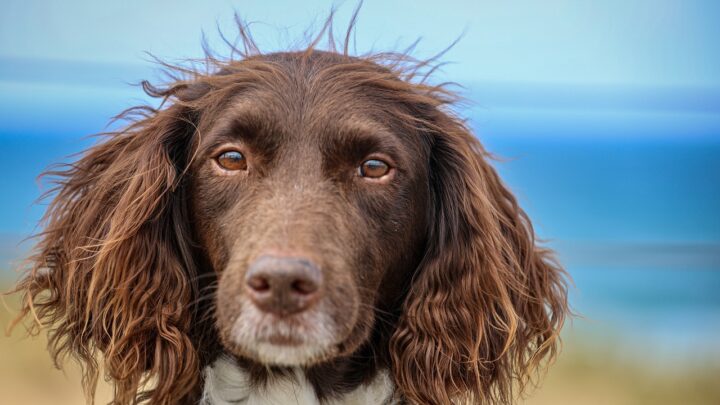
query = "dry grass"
{"x": 588, "y": 372}
{"x": 27, "y": 375}
{"x": 595, "y": 374}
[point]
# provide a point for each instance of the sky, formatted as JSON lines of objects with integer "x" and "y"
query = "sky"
{"x": 628, "y": 42}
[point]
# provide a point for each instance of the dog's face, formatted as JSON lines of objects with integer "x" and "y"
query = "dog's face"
{"x": 312, "y": 206}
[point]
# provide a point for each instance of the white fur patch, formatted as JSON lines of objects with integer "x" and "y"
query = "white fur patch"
{"x": 253, "y": 326}
{"x": 226, "y": 383}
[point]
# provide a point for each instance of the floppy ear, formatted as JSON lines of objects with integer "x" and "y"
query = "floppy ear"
{"x": 486, "y": 304}
{"x": 113, "y": 272}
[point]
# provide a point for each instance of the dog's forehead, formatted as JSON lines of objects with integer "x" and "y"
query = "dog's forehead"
{"x": 270, "y": 112}
{"x": 315, "y": 85}
{"x": 317, "y": 104}
{"x": 316, "y": 112}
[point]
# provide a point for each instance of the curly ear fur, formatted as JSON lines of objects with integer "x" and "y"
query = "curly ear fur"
{"x": 113, "y": 272}
{"x": 486, "y": 304}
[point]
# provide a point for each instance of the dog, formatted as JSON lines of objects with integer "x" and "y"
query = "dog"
{"x": 305, "y": 226}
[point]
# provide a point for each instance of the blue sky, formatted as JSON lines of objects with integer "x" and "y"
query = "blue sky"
{"x": 649, "y": 42}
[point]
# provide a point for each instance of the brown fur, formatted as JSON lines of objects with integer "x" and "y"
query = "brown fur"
{"x": 436, "y": 275}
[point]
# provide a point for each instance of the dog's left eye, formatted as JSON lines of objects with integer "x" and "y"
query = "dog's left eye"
{"x": 232, "y": 160}
{"x": 373, "y": 168}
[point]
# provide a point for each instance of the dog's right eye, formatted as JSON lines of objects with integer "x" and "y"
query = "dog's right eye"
{"x": 373, "y": 168}
{"x": 232, "y": 160}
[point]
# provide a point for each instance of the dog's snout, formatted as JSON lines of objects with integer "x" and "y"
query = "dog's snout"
{"x": 283, "y": 285}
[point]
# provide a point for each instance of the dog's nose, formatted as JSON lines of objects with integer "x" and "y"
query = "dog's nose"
{"x": 283, "y": 285}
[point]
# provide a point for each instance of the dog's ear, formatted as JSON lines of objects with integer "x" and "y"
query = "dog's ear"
{"x": 113, "y": 276}
{"x": 487, "y": 304}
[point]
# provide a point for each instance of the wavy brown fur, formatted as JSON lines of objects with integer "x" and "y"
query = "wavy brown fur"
{"x": 486, "y": 305}
{"x": 115, "y": 273}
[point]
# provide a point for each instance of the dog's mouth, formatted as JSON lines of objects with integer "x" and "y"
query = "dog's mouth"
{"x": 283, "y": 340}
{"x": 300, "y": 339}
{"x": 286, "y": 331}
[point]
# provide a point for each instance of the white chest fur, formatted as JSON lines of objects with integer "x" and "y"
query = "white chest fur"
{"x": 226, "y": 383}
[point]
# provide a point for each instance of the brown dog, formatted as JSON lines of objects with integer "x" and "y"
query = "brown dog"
{"x": 307, "y": 225}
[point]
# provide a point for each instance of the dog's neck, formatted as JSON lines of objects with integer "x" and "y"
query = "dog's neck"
{"x": 227, "y": 382}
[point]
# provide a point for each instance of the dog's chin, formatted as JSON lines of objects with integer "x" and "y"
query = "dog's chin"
{"x": 288, "y": 355}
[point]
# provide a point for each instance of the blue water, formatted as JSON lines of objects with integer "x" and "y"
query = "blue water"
{"x": 623, "y": 183}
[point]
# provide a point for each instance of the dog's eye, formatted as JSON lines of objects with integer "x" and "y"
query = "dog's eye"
{"x": 232, "y": 160}
{"x": 373, "y": 169}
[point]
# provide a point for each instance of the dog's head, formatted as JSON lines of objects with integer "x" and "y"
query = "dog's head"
{"x": 311, "y": 194}
{"x": 296, "y": 207}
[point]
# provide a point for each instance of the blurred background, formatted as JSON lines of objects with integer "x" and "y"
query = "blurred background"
{"x": 606, "y": 116}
